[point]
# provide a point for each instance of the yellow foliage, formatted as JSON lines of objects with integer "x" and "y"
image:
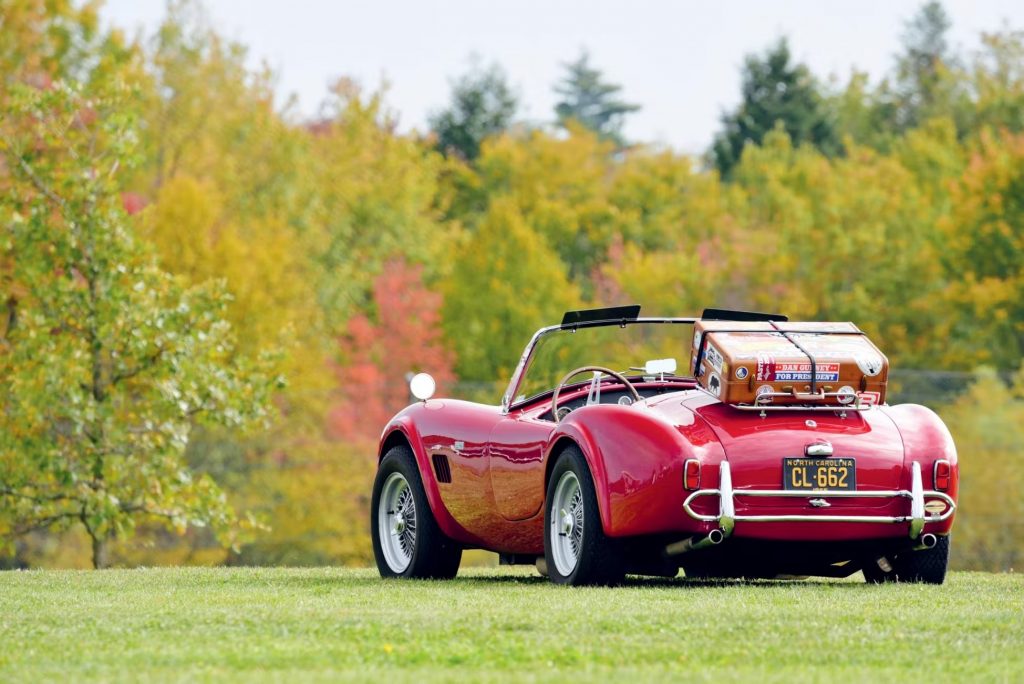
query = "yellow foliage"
{"x": 987, "y": 423}
{"x": 505, "y": 283}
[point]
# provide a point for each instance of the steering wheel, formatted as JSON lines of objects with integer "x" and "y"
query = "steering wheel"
{"x": 596, "y": 369}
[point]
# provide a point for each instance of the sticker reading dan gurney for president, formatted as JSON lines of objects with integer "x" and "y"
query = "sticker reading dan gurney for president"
{"x": 795, "y": 371}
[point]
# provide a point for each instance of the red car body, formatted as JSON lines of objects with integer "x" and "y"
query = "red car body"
{"x": 485, "y": 472}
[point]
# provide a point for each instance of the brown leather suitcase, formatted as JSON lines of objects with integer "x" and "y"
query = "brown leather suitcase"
{"x": 769, "y": 364}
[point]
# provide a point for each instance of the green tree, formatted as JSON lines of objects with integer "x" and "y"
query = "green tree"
{"x": 483, "y": 104}
{"x": 924, "y": 84}
{"x": 108, "y": 361}
{"x": 587, "y": 98}
{"x": 775, "y": 91}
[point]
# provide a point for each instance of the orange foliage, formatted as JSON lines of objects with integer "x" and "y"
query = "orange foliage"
{"x": 380, "y": 354}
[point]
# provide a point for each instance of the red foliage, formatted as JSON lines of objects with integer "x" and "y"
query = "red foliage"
{"x": 132, "y": 202}
{"x": 405, "y": 338}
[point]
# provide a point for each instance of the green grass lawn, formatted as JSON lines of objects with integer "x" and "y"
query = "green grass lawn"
{"x": 500, "y": 625}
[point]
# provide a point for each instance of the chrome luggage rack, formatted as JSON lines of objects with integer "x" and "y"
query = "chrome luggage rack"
{"x": 727, "y": 517}
{"x": 761, "y": 403}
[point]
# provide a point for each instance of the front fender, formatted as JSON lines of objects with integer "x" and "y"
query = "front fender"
{"x": 404, "y": 424}
{"x": 636, "y": 460}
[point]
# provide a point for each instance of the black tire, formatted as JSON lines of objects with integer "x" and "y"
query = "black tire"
{"x": 927, "y": 566}
{"x": 598, "y": 561}
{"x": 434, "y": 555}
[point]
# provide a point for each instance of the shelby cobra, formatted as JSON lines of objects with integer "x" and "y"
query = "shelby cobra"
{"x": 639, "y": 470}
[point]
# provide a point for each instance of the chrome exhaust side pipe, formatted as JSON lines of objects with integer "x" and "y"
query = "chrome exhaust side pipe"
{"x": 713, "y": 538}
{"x": 928, "y": 541}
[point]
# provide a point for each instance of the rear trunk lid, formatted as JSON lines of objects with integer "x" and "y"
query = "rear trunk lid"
{"x": 755, "y": 447}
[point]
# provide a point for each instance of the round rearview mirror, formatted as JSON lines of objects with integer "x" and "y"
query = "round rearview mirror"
{"x": 422, "y": 386}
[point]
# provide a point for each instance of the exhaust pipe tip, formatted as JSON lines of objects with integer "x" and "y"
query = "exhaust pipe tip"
{"x": 929, "y": 540}
{"x": 713, "y": 538}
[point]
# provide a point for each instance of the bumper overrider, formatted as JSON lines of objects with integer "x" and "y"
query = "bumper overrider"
{"x": 727, "y": 517}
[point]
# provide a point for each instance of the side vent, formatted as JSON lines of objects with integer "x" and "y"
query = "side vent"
{"x": 441, "y": 468}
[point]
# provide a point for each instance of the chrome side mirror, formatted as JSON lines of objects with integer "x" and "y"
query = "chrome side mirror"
{"x": 422, "y": 386}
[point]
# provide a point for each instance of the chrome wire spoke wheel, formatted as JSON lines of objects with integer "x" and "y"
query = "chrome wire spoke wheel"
{"x": 396, "y": 522}
{"x": 567, "y": 523}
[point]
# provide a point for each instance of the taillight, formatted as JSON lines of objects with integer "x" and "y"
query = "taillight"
{"x": 691, "y": 474}
{"x": 942, "y": 475}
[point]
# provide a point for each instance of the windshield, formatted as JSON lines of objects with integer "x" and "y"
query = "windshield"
{"x": 618, "y": 347}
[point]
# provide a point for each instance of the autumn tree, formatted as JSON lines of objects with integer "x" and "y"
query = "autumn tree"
{"x": 983, "y": 254}
{"x": 482, "y": 104}
{"x": 505, "y": 283}
{"x": 297, "y": 220}
{"x": 45, "y": 40}
{"x": 376, "y": 194}
{"x": 560, "y": 186}
{"x": 996, "y": 81}
{"x": 381, "y": 348}
{"x": 109, "y": 361}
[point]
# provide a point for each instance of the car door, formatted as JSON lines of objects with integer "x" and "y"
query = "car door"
{"x": 516, "y": 458}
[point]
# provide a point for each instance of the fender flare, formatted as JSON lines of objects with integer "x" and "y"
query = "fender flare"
{"x": 639, "y": 483}
{"x": 574, "y": 435}
{"x": 926, "y": 439}
{"x": 402, "y": 430}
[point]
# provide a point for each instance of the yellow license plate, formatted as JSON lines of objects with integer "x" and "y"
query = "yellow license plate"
{"x": 819, "y": 473}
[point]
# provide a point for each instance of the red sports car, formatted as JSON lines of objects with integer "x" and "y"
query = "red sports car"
{"x": 635, "y": 469}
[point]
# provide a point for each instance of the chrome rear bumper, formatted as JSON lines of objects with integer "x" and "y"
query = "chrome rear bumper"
{"x": 727, "y": 517}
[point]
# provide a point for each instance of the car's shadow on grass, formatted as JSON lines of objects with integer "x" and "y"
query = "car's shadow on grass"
{"x": 636, "y": 582}
{"x": 479, "y": 579}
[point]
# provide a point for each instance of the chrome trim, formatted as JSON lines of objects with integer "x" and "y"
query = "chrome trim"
{"x": 727, "y": 516}
{"x": 818, "y": 449}
{"x": 858, "y": 405}
{"x": 524, "y": 360}
{"x": 726, "y": 505}
{"x": 916, "y": 501}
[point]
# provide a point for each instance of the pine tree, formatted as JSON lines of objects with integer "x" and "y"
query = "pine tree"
{"x": 775, "y": 92}
{"x": 923, "y": 87}
{"x": 587, "y": 98}
{"x": 483, "y": 104}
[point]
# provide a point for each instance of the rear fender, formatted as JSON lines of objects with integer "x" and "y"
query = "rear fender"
{"x": 926, "y": 439}
{"x": 636, "y": 460}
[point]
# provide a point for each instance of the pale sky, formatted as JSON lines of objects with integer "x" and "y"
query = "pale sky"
{"x": 679, "y": 60}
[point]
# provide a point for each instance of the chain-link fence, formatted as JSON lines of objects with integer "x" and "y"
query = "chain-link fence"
{"x": 928, "y": 387}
